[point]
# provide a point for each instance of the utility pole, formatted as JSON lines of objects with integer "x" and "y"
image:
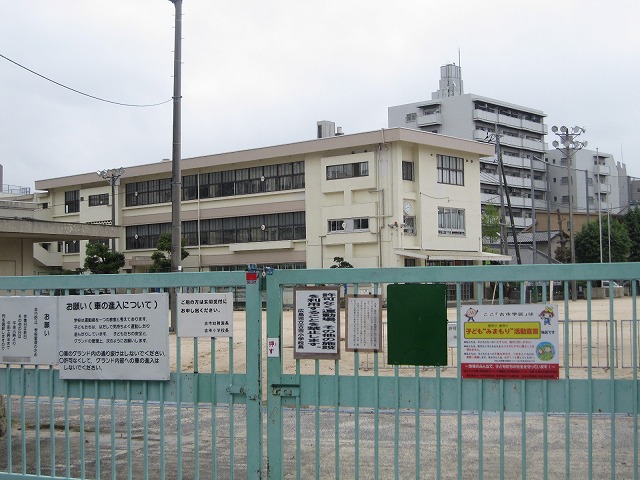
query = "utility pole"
{"x": 176, "y": 180}
{"x": 568, "y": 146}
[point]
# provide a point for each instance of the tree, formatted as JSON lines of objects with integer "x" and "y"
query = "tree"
{"x": 100, "y": 259}
{"x": 588, "y": 245}
{"x": 490, "y": 223}
{"x": 162, "y": 256}
{"x": 632, "y": 221}
{"x": 340, "y": 262}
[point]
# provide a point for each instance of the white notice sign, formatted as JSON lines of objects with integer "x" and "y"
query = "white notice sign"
{"x": 363, "y": 323}
{"x": 114, "y": 337}
{"x": 29, "y": 330}
{"x": 205, "y": 314}
{"x": 316, "y": 322}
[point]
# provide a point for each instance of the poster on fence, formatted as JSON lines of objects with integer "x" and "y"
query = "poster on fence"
{"x": 29, "y": 330}
{"x": 363, "y": 323}
{"x": 114, "y": 337}
{"x": 316, "y": 322}
{"x": 205, "y": 314}
{"x": 510, "y": 342}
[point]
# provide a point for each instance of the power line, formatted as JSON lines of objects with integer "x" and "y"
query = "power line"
{"x": 82, "y": 93}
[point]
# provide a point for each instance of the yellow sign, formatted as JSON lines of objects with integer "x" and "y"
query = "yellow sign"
{"x": 493, "y": 330}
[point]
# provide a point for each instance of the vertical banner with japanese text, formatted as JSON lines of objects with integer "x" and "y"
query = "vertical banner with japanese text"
{"x": 114, "y": 337}
{"x": 510, "y": 342}
{"x": 316, "y": 322}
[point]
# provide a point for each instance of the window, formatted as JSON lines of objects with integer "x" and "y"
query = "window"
{"x": 450, "y": 170}
{"x": 409, "y": 225}
{"x": 145, "y": 236}
{"x": 189, "y": 187}
{"x": 407, "y": 171}
{"x": 253, "y": 228}
{"x": 348, "y": 170}
{"x": 148, "y": 192}
{"x": 336, "y": 225}
{"x": 72, "y": 247}
{"x": 410, "y": 117}
{"x": 101, "y": 199}
{"x": 72, "y": 201}
{"x": 245, "y": 181}
{"x": 361, "y": 224}
{"x": 410, "y": 262}
{"x": 451, "y": 221}
{"x": 348, "y": 225}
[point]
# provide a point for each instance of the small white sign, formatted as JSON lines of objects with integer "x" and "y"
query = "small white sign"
{"x": 114, "y": 337}
{"x": 273, "y": 347}
{"x": 29, "y": 330}
{"x": 452, "y": 334}
{"x": 205, "y": 314}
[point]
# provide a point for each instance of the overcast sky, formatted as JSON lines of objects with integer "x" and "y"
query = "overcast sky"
{"x": 260, "y": 73}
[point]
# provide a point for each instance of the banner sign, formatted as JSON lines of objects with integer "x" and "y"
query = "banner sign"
{"x": 363, "y": 323}
{"x": 510, "y": 342}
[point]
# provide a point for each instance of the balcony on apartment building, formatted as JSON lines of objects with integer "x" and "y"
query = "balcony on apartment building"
{"x": 511, "y": 141}
{"x": 602, "y": 169}
{"x": 507, "y": 120}
{"x": 434, "y": 118}
{"x": 516, "y": 202}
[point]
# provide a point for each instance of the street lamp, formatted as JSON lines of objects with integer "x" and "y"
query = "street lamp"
{"x": 112, "y": 175}
{"x": 568, "y": 145}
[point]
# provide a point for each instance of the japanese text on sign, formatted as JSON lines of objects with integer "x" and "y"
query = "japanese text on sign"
{"x": 316, "y": 323}
{"x": 363, "y": 323}
{"x": 205, "y": 314}
{"x": 28, "y": 330}
{"x": 103, "y": 339}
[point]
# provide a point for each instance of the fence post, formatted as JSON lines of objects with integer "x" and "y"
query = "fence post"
{"x": 3, "y": 417}
{"x": 254, "y": 374}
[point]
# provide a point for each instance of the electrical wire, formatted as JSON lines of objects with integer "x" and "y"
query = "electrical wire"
{"x": 82, "y": 93}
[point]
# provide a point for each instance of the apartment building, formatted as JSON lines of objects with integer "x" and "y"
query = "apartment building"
{"x": 521, "y": 130}
{"x": 599, "y": 182}
{"x": 389, "y": 198}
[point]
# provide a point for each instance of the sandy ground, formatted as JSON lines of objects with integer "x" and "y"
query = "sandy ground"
{"x": 198, "y": 354}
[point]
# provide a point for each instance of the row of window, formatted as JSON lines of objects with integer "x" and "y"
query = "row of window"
{"x": 219, "y": 231}
{"x": 348, "y": 225}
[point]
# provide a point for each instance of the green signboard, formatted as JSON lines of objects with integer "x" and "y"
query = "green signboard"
{"x": 417, "y": 324}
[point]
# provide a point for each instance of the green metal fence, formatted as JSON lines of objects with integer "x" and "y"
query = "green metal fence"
{"x": 204, "y": 422}
{"x": 232, "y": 409}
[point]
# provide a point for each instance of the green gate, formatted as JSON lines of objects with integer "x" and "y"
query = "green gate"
{"x": 361, "y": 417}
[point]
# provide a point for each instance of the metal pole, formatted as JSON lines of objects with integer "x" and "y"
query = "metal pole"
{"x": 176, "y": 182}
{"x": 504, "y": 249}
{"x": 548, "y": 217}
{"x": 586, "y": 190}
{"x": 533, "y": 215}
{"x": 599, "y": 206}
{"x": 574, "y": 293}
{"x": 113, "y": 211}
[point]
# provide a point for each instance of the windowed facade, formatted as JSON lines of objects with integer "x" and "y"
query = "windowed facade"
{"x": 253, "y": 228}
{"x": 148, "y": 192}
{"x": 450, "y": 170}
{"x": 407, "y": 171}
{"x": 348, "y": 170}
{"x": 451, "y": 221}
{"x": 245, "y": 181}
{"x": 72, "y": 201}
{"x": 145, "y": 236}
{"x": 101, "y": 199}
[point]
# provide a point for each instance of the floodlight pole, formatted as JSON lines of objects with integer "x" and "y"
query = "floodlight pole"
{"x": 569, "y": 146}
{"x": 112, "y": 175}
